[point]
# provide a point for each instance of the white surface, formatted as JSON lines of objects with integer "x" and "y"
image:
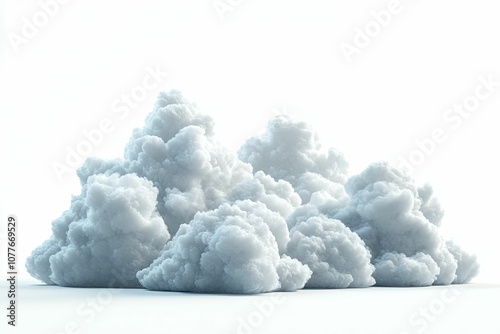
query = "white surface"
{"x": 464, "y": 309}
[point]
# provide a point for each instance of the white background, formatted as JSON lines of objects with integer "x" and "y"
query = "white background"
{"x": 244, "y": 66}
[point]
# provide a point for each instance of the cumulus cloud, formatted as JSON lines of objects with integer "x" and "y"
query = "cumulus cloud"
{"x": 112, "y": 228}
{"x": 177, "y": 151}
{"x": 280, "y": 215}
{"x": 187, "y": 171}
{"x": 397, "y": 220}
{"x": 290, "y": 150}
{"x": 399, "y": 223}
{"x": 398, "y": 269}
{"x": 231, "y": 249}
{"x": 337, "y": 257}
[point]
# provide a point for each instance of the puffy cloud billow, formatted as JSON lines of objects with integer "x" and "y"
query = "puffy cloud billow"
{"x": 337, "y": 256}
{"x": 281, "y": 215}
{"x": 111, "y": 231}
{"x": 231, "y": 249}
{"x": 399, "y": 223}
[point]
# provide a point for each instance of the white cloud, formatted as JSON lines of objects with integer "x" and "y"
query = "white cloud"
{"x": 231, "y": 218}
{"x": 230, "y": 249}
{"x": 113, "y": 226}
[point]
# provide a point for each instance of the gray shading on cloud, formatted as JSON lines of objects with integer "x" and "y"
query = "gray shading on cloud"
{"x": 228, "y": 250}
{"x": 397, "y": 221}
{"x": 112, "y": 227}
{"x": 281, "y": 215}
{"x": 337, "y": 256}
{"x": 187, "y": 171}
{"x": 290, "y": 150}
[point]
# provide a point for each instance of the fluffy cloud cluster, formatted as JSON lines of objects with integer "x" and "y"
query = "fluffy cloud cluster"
{"x": 399, "y": 223}
{"x": 281, "y": 215}
{"x": 231, "y": 249}
{"x": 110, "y": 231}
{"x": 291, "y": 151}
{"x": 337, "y": 256}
